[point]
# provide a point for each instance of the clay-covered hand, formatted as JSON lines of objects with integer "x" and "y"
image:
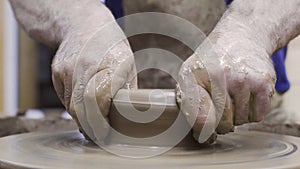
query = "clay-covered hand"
{"x": 230, "y": 78}
{"x": 90, "y": 66}
{"x": 87, "y": 72}
{"x": 225, "y": 84}
{"x": 93, "y": 61}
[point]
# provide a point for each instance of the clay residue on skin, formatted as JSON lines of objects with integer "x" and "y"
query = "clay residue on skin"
{"x": 74, "y": 27}
{"x": 248, "y": 33}
{"x": 116, "y": 69}
{"x": 243, "y": 41}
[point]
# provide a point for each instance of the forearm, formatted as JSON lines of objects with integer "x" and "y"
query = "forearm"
{"x": 270, "y": 24}
{"x": 51, "y": 21}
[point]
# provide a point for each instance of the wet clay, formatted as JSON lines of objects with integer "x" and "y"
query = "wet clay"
{"x": 148, "y": 102}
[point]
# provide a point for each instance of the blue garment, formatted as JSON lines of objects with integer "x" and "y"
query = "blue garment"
{"x": 116, "y": 7}
{"x": 282, "y": 84}
{"x": 228, "y": 2}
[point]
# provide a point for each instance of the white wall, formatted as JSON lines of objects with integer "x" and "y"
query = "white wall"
{"x": 10, "y": 61}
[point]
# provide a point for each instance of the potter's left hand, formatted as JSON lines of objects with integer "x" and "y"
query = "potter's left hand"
{"x": 230, "y": 78}
{"x": 225, "y": 84}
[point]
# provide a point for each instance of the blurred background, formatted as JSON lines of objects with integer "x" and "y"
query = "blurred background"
{"x": 25, "y": 79}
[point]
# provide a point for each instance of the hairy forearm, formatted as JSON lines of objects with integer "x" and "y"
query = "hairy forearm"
{"x": 51, "y": 21}
{"x": 270, "y": 24}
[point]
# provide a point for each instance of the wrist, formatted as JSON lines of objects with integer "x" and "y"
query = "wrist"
{"x": 85, "y": 22}
{"x": 232, "y": 30}
{"x": 267, "y": 24}
{"x": 238, "y": 44}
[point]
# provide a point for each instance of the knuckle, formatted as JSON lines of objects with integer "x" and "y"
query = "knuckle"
{"x": 239, "y": 81}
{"x": 225, "y": 126}
{"x": 55, "y": 69}
{"x": 67, "y": 70}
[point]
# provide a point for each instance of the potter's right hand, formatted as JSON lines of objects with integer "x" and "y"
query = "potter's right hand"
{"x": 90, "y": 66}
{"x": 87, "y": 76}
{"x": 93, "y": 60}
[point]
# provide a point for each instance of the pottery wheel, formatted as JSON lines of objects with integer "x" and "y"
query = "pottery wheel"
{"x": 69, "y": 149}
{"x": 242, "y": 149}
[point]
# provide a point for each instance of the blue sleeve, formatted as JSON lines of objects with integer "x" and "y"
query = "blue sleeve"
{"x": 116, "y": 7}
{"x": 228, "y": 2}
{"x": 282, "y": 83}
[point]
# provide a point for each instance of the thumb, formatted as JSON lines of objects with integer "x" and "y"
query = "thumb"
{"x": 199, "y": 110}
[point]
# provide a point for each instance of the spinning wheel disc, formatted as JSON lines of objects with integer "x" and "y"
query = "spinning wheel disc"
{"x": 242, "y": 149}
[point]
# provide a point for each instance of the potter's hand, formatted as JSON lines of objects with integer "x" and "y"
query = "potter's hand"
{"x": 92, "y": 61}
{"x": 87, "y": 77}
{"x": 231, "y": 78}
{"x": 232, "y": 81}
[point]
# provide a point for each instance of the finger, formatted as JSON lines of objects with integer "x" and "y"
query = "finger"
{"x": 132, "y": 73}
{"x": 81, "y": 120}
{"x": 67, "y": 80}
{"x": 83, "y": 96}
{"x": 78, "y": 102}
{"x": 87, "y": 134}
{"x": 226, "y": 123}
{"x": 97, "y": 98}
{"x": 261, "y": 104}
{"x": 198, "y": 108}
{"x": 62, "y": 80}
{"x": 58, "y": 86}
{"x": 98, "y": 95}
{"x": 241, "y": 107}
{"x": 120, "y": 59}
{"x": 211, "y": 139}
{"x": 63, "y": 88}
{"x": 132, "y": 78}
{"x": 205, "y": 123}
{"x": 93, "y": 100}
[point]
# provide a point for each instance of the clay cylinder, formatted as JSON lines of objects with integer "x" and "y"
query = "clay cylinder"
{"x": 146, "y": 113}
